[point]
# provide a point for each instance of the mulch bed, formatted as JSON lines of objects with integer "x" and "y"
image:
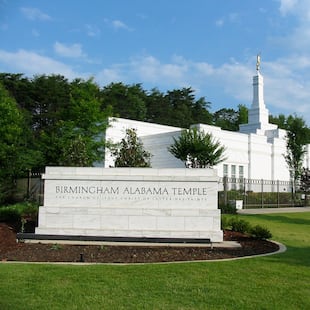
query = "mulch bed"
{"x": 10, "y": 250}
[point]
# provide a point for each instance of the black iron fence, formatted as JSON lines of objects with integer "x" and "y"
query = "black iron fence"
{"x": 31, "y": 187}
{"x": 253, "y": 193}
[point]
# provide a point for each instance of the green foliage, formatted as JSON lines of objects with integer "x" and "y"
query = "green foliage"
{"x": 56, "y": 247}
{"x": 305, "y": 180}
{"x": 64, "y": 122}
{"x": 127, "y": 101}
{"x": 197, "y": 149}
{"x": 14, "y": 213}
{"x": 239, "y": 225}
{"x": 9, "y": 215}
{"x": 227, "y": 119}
{"x": 175, "y": 108}
{"x": 296, "y": 140}
{"x": 15, "y": 157}
{"x": 228, "y": 209}
{"x": 235, "y": 223}
{"x": 260, "y": 232}
{"x": 130, "y": 152}
{"x": 230, "y": 119}
{"x": 225, "y": 223}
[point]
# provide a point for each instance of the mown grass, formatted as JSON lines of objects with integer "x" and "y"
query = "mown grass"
{"x": 279, "y": 281}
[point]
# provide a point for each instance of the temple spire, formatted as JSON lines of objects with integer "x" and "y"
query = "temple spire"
{"x": 258, "y": 62}
{"x": 258, "y": 116}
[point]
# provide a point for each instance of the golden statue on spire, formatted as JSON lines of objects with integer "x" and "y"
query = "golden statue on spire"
{"x": 257, "y": 62}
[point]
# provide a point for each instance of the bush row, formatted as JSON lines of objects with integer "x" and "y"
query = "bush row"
{"x": 243, "y": 226}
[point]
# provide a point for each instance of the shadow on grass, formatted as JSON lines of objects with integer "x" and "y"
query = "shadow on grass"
{"x": 283, "y": 219}
{"x": 296, "y": 256}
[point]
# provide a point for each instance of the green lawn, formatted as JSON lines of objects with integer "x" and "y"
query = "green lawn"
{"x": 279, "y": 281}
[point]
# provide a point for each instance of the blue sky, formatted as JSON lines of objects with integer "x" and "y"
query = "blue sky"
{"x": 209, "y": 45}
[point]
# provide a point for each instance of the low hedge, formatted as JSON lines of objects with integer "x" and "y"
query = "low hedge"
{"x": 243, "y": 226}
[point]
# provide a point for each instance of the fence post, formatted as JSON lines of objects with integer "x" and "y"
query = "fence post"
{"x": 244, "y": 193}
{"x": 225, "y": 181}
{"x": 278, "y": 194}
{"x": 262, "y": 195}
{"x": 28, "y": 183}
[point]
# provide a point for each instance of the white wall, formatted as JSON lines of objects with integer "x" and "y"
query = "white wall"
{"x": 158, "y": 145}
{"x": 131, "y": 203}
{"x": 262, "y": 156}
{"x": 117, "y": 130}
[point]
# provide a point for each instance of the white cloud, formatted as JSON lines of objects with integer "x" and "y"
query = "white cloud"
{"x": 35, "y": 14}
{"x": 70, "y": 51}
{"x": 287, "y": 81}
{"x": 31, "y": 63}
{"x": 299, "y": 37}
{"x": 287, "y": 89}
{"x": 117, "y": 24}
{"x": 92, "y": 31}
{"x": 219, "y": 22}
{"x": 110, "y": 75}
{"x": 35, "y": 33}
{"x": 286, "y": 6}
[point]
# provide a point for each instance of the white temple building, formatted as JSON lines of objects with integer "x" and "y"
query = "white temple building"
{"x": 255, "y": 152}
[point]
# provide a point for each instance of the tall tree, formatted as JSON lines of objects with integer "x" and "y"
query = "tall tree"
{"x": 197, "y": 149}
{"x": 279, "y": 120}
{"x": 15, "y": 157}
{"x": 201, "y": 113}
{"x": 127, "y": 101}
{"x": 158, "y": 110}
{"x": 19, "y": 87}
{"x": 230, "y": 119}
{"x": 296, "y": 140}
{"x": 51, "y": 97}
{"x": 80, "y": 136}
{"x": 227, "y": 119}
{"x": 305, "y": 183}
{"x": 242, "y": 114}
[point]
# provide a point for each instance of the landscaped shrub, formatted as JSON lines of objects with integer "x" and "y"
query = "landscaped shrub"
{"x": 14, "y": 213}
{"x": 239, "y": 225}
{"x": 260, "y": 232}
{"x": 9, "y": 215}
{"x": 243, "y": 226}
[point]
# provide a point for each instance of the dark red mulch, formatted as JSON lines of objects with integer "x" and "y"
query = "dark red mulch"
{"x": 37, "y": 252}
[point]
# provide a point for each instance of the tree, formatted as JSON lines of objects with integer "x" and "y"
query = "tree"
{"x": 185, "y": 109}
{"x": 197, "y": 149}
{"x": 130, "y": 152}
{"x": 177, "y": 108}
{"x": 127, "y": 101}
{"x": 305, "y": 183}
{"x": 280, "y": 121}
{"x": 243, "y": 112}
{"x": 14, "y": 158}
{"x": 296, "y": 140}
{"x": 227, "y": 119}
{"x": 158, "y": 110}
{"x": 78, "y": 126}
{"x": 230, "y": 119}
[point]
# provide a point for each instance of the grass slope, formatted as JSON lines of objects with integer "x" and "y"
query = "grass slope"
{"x": 279, "y": 281}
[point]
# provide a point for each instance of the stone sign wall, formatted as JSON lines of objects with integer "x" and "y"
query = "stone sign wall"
{"x": 130, "y": 202}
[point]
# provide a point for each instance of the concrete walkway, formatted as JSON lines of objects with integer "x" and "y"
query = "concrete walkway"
{"x": 274, "y": 210}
